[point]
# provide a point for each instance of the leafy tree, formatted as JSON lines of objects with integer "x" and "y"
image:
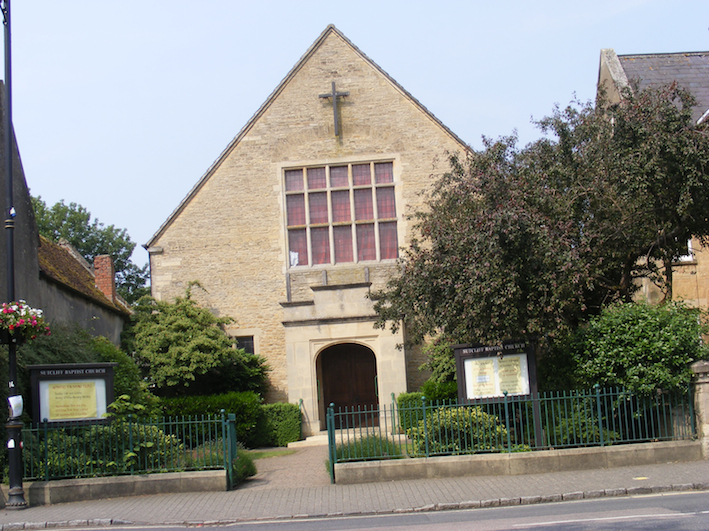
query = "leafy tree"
{"x": 73, "y": 223}
{"x": 530, "y": 242}
{"x": 184, "y": 350}
{"x": 640, "y": 347}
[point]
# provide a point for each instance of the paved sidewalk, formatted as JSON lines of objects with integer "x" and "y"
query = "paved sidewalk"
{"x": 297, "y": 486}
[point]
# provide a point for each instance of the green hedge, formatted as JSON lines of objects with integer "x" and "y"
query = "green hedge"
{"x": 257, "y": 425}
{"x": 250, "y": 419}
{"x": 283, "y": 423}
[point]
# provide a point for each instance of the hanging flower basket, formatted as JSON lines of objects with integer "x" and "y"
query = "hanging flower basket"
{"x": 19, "y": 322}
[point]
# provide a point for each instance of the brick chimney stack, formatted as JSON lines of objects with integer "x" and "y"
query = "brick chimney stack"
{"x": 105, "y": 275}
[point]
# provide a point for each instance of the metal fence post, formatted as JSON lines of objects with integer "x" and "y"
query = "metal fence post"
{"x": 330, "y": 422}
{"x": 507, "y": 423}
{"x": 46, "y": 449}
{"x": 597, "y": 387}
{"x": 425, "y": 428}
{"x": 233, "y": 457}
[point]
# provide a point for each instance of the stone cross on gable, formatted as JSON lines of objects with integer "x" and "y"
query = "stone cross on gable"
{"x": 334, "y": 95}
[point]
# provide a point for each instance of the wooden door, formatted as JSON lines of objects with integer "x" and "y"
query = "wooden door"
{"x": 348, "y": 374}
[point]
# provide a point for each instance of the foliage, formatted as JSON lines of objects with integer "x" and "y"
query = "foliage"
{"x": 410, "y": 408}
{"x": 367, "y": 447}
{"x": 127, "y": 380}
{"x": 91, "y": 238}
{"x": 250, "y": 421}
{"x": 184, "y": 350}
{"x": 436, "y": 392}
{"x": 22, "y": 321}
{"x": 457, "y": 430}
{"x": 105, "y": 450}
{"x": 576, "y": 424}
{"x": 283, "y": 423}
{"x": 641, "y": 347}
{"x": 440, "y": 360}
{"x": 243, "y": 466}
{"x": 529, "y": 243}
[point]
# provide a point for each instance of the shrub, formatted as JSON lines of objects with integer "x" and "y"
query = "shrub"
{"x": 438, "y": 392}
{"x": 283, "y": 423}
{"x": 243, "y": 465}
{"x": 106, "y": 450}
{"x": 250, "y": 420}
{"x": 410, "y": 408}
{"x": 457, "y": 430}
{"x": 641, "y": 347}
{"x": 368, "y": 447}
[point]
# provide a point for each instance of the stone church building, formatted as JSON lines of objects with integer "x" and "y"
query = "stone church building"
{"x": 301, "y": 217}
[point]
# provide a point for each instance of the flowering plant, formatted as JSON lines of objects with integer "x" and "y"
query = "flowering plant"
{"x": 22, "y": 321}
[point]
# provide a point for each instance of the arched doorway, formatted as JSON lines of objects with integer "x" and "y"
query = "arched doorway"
{"x": 347, "y": 377}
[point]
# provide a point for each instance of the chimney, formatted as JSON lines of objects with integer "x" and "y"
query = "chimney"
{"x": 105, "y": 276}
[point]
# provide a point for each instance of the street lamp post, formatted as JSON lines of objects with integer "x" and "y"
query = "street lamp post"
{"x": 16, "y": 494}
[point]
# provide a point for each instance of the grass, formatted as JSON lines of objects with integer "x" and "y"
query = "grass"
{"x": 265, "y": 454}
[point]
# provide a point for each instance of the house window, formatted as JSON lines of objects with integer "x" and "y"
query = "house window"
{"x": 246, "y": 343}
{"x": 341, "y": 214}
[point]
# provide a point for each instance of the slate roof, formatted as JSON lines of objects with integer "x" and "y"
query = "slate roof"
{"x": 690, "y": 70}
{"x": 63, "y": 265}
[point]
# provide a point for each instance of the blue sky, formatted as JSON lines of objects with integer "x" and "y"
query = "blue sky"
{"x": 122, "y": 106}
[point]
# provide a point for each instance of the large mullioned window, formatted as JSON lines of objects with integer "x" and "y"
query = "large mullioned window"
{"x": 341, "y": 213}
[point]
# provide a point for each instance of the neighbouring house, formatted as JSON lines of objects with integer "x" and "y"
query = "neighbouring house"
{"x": 301, "y": 218}
{"x": 54, "y": 277}
{"x": 691, "y": 71}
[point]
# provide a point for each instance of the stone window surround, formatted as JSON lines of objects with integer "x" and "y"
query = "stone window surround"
{"x": 328, "y": 163}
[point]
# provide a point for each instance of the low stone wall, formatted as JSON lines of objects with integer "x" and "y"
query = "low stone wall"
{"x": 518, "y": 463}
{"x": 73, "y": 490}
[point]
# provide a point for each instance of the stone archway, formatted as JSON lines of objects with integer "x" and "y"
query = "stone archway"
{"x": 347, "y": 377}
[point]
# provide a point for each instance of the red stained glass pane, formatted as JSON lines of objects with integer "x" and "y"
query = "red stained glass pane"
{"x": 320, "y": 239}
{"x": 386, "y": 206}
{"x": 340, "y": 206}
{"x": 295, "y": 206}
{"x": 343, "y": 243}
{"x": 318, "y": 207}
{"x": 298, "y": 247}
{"x": 316, "y": 179}
{"x": 361, "y": 175}
{"x": 383, "y": 172}
{"x": 338, "y": 177}
{"x": 364, "y": 209}
{"x": 388, "y": 245}
{"x": 294, "y": 180}
{"x": 366, "y": 246}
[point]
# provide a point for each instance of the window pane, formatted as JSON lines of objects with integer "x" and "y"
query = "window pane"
{"x": 361, "y": 175}
{"x": 320, "y": 238}
{"x": 295, "y": 207}
{"x": 340, "y": 206}
{"x": 246, "y": 343}
{"x": 298, "y": 247}
{"x": 366, "y": 249}
{"x": 318, "y": 207}
{"x": 316, "y": 179}
{"x": 294, "y": 180}
{"x": 364, "y": 210}
{"x": 383, "y": 172}
{"x": 387, "y": 241}
{"x": 386, "y": 206}
{"x": 338, "y": 177}
{"x": 343, "y": 243}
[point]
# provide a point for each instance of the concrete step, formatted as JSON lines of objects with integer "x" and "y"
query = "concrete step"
{"x": 313, "y": 440}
